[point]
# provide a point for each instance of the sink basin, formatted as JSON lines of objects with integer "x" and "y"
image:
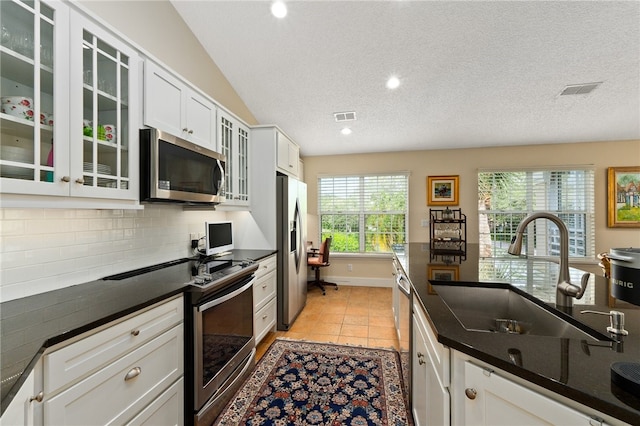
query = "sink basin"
{"x": 502, "y": 308}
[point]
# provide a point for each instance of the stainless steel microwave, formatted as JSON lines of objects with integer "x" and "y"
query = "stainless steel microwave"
{"x": 175, "y": 170}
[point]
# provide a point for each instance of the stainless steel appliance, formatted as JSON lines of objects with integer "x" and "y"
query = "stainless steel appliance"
{"x": 176, "y": 170}
{"x": 403, "y": 324}
{"x": 219, "y": 344}
{"x": 292, "y": 257}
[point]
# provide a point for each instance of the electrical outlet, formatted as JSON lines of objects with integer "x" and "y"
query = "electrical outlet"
{"x": 349, "y": 267}
{"x": 193, "y": 236}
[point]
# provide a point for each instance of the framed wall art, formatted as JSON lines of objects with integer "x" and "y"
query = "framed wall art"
{"x": 441, "y": 273}
{"x": 442, "y": 190}
{"x": 623, "y": 198}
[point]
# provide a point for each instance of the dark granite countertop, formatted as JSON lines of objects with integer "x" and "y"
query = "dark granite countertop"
{"x": 563, "y": 366}
{"x": 31, "y": 324}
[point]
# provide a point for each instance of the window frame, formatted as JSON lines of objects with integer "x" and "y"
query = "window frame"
{"x": 548, "y": 231}
{"x": 363, "y": 210}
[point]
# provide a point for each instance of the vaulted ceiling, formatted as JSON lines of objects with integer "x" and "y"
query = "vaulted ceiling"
{"x": 472, "y": 74}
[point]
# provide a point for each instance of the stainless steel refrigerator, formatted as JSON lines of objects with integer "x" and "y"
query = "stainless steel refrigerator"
{"x": 292, "y": 254}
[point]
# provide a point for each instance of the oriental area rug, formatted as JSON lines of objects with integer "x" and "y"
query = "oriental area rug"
{"x": 307, "y": 383}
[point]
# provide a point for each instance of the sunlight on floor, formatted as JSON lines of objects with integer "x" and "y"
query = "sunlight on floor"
{"x": 351, "y": 315}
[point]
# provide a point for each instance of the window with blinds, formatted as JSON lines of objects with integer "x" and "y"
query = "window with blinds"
{"x": 363, "y": 213}
{"x": 508, "y": 196}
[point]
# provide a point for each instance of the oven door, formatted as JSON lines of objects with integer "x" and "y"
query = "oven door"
{"x": 223, "y": 337}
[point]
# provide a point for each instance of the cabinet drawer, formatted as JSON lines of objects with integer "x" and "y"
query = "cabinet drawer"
{"x": 439, "y": 353}
{"x": 167, "y": 409}
{"x": 266, "y": 266}
{"x": 264, "y": 289}
{"x": 71, "y": 362}
{"x": 264, "y": 320}
{"x": 115, "y": 394}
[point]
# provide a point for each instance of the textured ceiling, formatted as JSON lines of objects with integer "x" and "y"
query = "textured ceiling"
{"x": 472, "y": 74}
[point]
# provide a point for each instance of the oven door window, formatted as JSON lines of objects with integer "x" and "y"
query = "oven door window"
{"x": 226, "y": 329}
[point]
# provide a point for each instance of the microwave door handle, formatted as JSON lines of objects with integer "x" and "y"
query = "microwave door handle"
{"x": 226, "y": 297}
{"x": 219, "y": 185}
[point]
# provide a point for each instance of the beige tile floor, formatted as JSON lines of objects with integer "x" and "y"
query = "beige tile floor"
{"x": 351, "y": 315}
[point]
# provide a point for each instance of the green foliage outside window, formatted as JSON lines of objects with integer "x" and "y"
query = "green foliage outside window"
{"x": 363, "y": 213}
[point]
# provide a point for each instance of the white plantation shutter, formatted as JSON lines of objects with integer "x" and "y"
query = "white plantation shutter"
{"x": 363, "y": 213}
{"x": 507, "y": 196}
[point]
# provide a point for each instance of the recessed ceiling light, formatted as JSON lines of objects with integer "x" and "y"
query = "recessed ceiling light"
{"x": 393, "y": 83}
{"x": 279, "y": 9}
{"x": 346, "y": 131}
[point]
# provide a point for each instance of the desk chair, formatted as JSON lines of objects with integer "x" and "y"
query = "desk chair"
{"x": 319, "y": 259}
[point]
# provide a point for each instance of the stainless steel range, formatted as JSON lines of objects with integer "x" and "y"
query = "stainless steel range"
{"x": 219, "y": 342}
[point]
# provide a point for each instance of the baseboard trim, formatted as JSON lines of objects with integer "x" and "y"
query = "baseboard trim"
{"x": 357, "y": 281}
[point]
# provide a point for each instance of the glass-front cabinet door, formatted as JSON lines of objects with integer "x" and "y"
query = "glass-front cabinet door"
{"x": 69, "y": 92}
{"x": 234, "y": 144}
{"x": 34, "y": 96}
{"x": 104, "y": 124}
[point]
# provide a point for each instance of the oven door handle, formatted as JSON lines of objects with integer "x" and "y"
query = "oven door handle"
{"x": 226, "y": 296}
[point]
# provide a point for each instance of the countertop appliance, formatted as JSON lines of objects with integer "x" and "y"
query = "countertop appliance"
{"x": 175, "y": 170}
{"x": 625, "y": 285}
{"x": 291, "y": 233}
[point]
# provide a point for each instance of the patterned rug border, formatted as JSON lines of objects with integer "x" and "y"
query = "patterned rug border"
{"x": 240, "y": 403}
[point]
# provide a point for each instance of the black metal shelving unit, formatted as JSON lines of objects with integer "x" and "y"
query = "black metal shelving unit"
{"x": 448, "y": 234}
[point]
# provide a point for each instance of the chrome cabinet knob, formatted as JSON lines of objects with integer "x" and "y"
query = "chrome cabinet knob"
{"x": 135, "y": 332}
{"x": 65, "y": 178}
{"x": 471, "y": 393}
{"x": 39, "y": 397}
{"x": 80, "y": 181}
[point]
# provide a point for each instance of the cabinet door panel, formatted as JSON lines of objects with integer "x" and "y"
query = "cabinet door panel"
{"x": 500, "y": 401}
{"x": 200, "y": 121}
{"x": 34, "y": 154}
{"x": 113, "y": 395}
{"x": 162, "y": 100}
{"x": 166, "y": 410}
{"x": 80, "y": 358}
{"x": 104, "y": 104}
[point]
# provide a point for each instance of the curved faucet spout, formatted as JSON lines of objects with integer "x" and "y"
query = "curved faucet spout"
{"x": 565, "y": 291}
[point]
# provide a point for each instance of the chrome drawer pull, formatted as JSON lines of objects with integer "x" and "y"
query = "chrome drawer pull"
{"x": 135, "y": 332}
{"x": 133, "y": 373}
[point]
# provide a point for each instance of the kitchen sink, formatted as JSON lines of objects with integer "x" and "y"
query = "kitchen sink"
{"x": 503, "y": 308}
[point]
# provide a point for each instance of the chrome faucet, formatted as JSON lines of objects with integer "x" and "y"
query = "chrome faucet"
{"x": 565, "y": 291}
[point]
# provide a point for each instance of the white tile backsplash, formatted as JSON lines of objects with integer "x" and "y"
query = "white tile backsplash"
{"x": 47, "y": 249}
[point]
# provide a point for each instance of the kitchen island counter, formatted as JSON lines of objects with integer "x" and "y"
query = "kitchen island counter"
{"x": 579, "y": 370}
{"x": 30, "y": 325}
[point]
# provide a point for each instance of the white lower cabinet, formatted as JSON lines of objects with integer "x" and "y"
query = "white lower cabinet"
{"x": 129, "y": 372}
{"x": 494, "y": 400}
{"x": 452, "y": 388}
{"x": 429, "y": 375}
{"x": 264, "y": 298}
{"x": 24, "y": 408}
{"x": 167, "y": 409}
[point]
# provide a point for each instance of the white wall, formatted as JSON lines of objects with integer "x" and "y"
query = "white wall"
{"x": 48, "y": 249}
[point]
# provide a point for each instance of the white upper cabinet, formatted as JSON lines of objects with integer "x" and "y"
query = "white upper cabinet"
{"x": 35, "y": 98}
{"x": 171, "y": 105}
{"x": 105, "y": 104}
{"x": 61, "y": 73}
{"x": 288, "y": 155}
{"x": 233, "y": 142}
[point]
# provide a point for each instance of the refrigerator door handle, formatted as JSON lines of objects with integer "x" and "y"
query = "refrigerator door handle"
{"x": 298, "y": 221}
